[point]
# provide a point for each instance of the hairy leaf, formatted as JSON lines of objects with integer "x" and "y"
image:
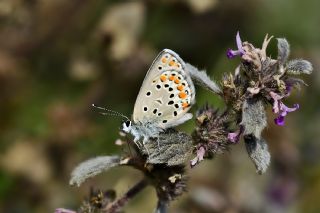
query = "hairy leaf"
{"x": 294, "y": 82}
{"x": 201, "y": 78}
{"x": 253, "y": 117}
{"x": 171, "y": 148}
{"x": 283, "y": 50}
{"x": 299, "y": 66}
{"x": 92, "y": 167}
{"x": 258, "y": 152}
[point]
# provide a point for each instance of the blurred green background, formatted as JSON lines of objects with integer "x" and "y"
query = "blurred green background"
{"x": 58, "y": 57}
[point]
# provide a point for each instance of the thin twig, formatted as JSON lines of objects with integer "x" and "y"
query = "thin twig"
{"x": 121, "y": 202}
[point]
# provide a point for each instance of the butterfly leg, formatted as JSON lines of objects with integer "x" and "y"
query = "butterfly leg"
{"x": 158, "y": 142}
{"x": 145, "y": 140}
{"x": 137, "y": 143}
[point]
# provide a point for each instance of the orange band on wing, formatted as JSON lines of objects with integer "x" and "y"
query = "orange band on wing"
{"x": 171, "y": 63}
{"x": 163, "y": 78}
{"x": 185, "y": 105}
{"x": 180, "y": 87}
{"x": 182, "y": 95}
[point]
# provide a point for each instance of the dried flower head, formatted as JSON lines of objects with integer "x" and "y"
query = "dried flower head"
{"x": 162, "y": 161}
{"x": 210, "y": 135}
{"x": 97, "y": 201}
{"x": 169, "y": 182}
{"x": 269, "y": 79}
{"x": 260, "y": 80}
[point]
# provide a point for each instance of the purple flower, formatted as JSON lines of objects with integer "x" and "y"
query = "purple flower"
{"x": 279, "y": 121}
{"x": 233, "y": 53}
{"x": 200, "y": 154}
{"x": 234, "y": 137}
{"x": 280, "y": 108}
{"x": 62, "y": 210}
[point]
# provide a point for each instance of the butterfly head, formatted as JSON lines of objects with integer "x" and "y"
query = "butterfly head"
{"x": 126, "y": 126}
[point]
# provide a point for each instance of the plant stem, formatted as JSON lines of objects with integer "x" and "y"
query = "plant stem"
{"x": 162, "y": 207}
{"x": 122, "y": 201}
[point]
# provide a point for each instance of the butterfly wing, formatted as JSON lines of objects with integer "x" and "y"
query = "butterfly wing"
{"x": 167, "y": 92}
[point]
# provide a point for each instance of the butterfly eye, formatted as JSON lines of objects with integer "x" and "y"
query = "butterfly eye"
{"x": 128, "y": 123}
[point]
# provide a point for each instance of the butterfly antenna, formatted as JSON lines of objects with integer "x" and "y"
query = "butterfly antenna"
{"x": 110, "y": 112}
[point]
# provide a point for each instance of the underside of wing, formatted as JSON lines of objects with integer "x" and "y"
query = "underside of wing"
{"x": 167, "y": 92}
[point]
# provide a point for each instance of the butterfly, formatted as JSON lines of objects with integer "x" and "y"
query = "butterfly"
{"x": 166, "y": 95}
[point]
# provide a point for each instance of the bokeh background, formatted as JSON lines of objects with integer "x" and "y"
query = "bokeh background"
{"x": 58, "y": 57}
